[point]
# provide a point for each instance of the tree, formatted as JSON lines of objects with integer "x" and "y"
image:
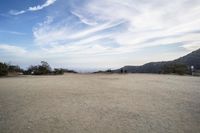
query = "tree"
{"x": 42, "y": 69}
{"x": 13, "y": 68}
{"x": 46, "y": 65}
{"x": 3, "y": 69}
{"x": 30, "y": 70}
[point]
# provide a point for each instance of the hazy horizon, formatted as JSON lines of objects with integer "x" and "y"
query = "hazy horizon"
{"x": 90, "y": 35}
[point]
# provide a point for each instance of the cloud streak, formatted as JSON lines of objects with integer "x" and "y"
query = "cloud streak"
{"x": 84, "y": 20}
{"x": 33, "y": 9}
{"x": 13, "y": 32}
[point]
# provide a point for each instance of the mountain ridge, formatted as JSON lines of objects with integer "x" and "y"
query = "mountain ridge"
{"x": 191, "y": 59}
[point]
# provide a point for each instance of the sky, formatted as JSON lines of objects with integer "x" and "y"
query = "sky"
{"x": 97, "y": 34}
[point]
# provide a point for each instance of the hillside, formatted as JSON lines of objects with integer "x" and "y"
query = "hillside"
{"x": 192, "y": 59}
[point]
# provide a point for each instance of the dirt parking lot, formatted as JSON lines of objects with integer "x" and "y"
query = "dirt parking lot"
{"x": 98, "y": 103}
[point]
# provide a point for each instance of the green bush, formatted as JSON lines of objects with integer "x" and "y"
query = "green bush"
{"x": 58, "y": 71}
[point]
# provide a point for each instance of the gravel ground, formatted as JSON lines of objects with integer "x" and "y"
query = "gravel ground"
{"x": 78, "y": 103}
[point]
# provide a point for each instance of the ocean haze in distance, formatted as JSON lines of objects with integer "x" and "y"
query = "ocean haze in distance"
{"x": 88, "y": 35}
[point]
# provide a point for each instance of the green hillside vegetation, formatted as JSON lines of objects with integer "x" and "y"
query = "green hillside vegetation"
{"x": 180, "y": 69}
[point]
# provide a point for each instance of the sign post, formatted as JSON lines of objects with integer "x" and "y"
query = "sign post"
{"x": 192, "y": 69}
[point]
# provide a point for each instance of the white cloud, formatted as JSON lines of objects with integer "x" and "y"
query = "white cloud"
{"x": 40, "y": 7}
{"x": 11, "y": 49}
{"x": 34, "y": 8}
{"x": 110, "y": 29}
{"x": 192, "y": 46}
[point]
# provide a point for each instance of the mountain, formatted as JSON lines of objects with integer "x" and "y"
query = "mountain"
{"x": 181, "y": 64}
{"x": 192, "y": 59}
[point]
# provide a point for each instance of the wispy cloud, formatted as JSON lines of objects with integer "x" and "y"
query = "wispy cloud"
{"x": 47, "y": 34}
{"x": 13, "y": 32}
{"x": 14, "y": 12}
{"x": 34, "y": 8}
{"x": 144, "y": 21}
{"x": 84, "y": 19}
{"x": 11, "y": 49}
{"x": 40, "y": 7}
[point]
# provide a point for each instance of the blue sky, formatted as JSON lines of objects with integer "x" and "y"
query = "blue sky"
{"x": 97, "y": 34}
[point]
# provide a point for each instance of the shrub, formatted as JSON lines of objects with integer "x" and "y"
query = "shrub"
{"x": 109, "y": 71}
{"x": 58, "y": 71}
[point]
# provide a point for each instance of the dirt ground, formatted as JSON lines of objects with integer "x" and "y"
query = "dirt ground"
{"x": 81, "y": 103}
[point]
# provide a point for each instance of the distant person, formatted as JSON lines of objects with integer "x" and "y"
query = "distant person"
{"x": 121, "y": 70}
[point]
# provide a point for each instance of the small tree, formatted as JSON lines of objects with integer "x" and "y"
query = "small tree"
{"x": 3, "y": 69}
{"x": 46, "y": 65}
{"x": 44, "y": 68}
{"x": 58, "y": 71}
